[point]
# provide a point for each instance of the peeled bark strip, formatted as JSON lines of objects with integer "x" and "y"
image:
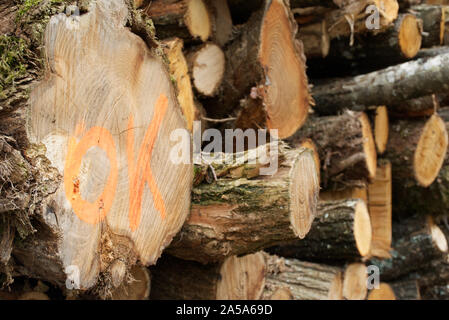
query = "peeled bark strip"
{"x": 433, "y": 23}
{"x": 345, "y": 145}
{"x": 207, "y": 66}
{"x": 384, "y": 87}
{"x": 417, "y": 150}
{"x": 340, "y": 232}
{"x": 93, "y": 126}
{"x": 135, "y": 287}
{"x": 400, "y": 290}
{"x": 417, "y": 241}
{"x": 303, "y": 280}
{"x": 381, "y": 129}
{"x": 249, "y": 212}
{"x": 355, "y": 281}
{"x": 179, "y": 71}
{"x": 257, "y": 63}
{"x": 237, "y": 278}
{"x": 185, "y": 19}
{"x": 379, "y": 206}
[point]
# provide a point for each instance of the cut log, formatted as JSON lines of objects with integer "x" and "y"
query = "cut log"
{"x": 417, "y": 242}
{"x": 179, "y": 72}
{"x": 243, "y": 211}
{"x": 103, "y": 94}
{"x": 379, "y": 206}
{"x": 135, "y": 287}
{"x": 309, "y": 144}
{"x": 207, "y": 66}
{"x": 345, "y": 146}
{"x": 417, "y": 150}
{"x": 234, "y": 279}
{"x": 433, "y": 23}
{"x": 400, "y": 290}
{"x": 384, "y": 87}
{"x": 340, "y": 232}
{"x": 381, "y": 129}
{"x": 315, "y": 39}
{"x": 221, "y": 21}
{"x": 186, "y": 19}
{"x": 354, "y": 17}
{"x": 258, "y": 61}
{"x": 303, "y": 280}
{"x": 400, "y": 41}
{"x": 355, "y": 281}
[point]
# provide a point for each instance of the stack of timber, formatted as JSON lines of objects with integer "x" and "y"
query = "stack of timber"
{"x": 224, "y": 149}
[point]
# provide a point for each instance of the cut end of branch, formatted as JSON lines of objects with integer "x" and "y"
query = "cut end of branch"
{"x": 354, "y": 283}
{"x": 369, "y": 146}
{"x": 431, "y": 151}
{"x": 381, "y": 129}
{"x": 198, "y": 20}
{"x": 362, "y": 228}
{"x": 410, "y": 36}
{"x": 384, "y": 292}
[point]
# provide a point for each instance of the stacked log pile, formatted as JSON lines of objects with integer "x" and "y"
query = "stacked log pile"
{"x": 224, "y": 149}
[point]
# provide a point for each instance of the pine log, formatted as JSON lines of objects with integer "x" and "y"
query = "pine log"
{"x": 418, "y": 153}
{"x": 345, "y": 146}
{"x": 207, "y": 66}
{"x": 73, "y": 121}
{"x": 381, "y": 129}
{"x": 433, "y": 23}
{"x": 237, "y": 278}
{"x": 399, "y": 290}
{"x": 340, "y": 232}
{"x": 257, "y": 63}
{"x": 186, "y": 19}
{"x": 416, "y": 242}
{"x": 355, "y": 281}
{"x": 380, "y": 210}
{"x": 303, "y": 280}
{"x": 243, "y": 212}
{"x": 384, "y": 87}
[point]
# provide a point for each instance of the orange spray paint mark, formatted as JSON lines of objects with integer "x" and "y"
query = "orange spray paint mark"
{"x": 141, "y": 172}
{"x": 96, "y": 137}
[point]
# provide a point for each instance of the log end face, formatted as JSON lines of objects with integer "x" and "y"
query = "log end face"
{"x": 438, "y": 237}
{"x": 431, "y": 151}
{"x": 336, "y": 288}
{"x": 247, "y": 271}
{"x": 369, "y": 146}
{"x": 384, "y": 292}
{"x": 304, "y": 190}
{"x": 362, "y": 228}
{"x": 282, "y": 294}
{"x": 354, "y": 283}
{"x": 410, "y": 36}
{"x": 390, "y": 9}
{"x": 208, "y": 69}
{"x": 198, "y": 19}
{"x": 281, "y": 56}
{"x": 136, "y": 287}
{"x": 381, "y": 128}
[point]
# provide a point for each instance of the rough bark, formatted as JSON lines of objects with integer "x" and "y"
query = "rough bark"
{"x": 340, "y": 232}
{"x": 416, "y": 242}
{"x": 257, "y": 63}
{"x": 64, "y": 205}
{"x": 433, "y": 24}
{"x": 304, "y": 280}
{"x": 345, "y": 146}
{"x": 398, "y": 290}
{"x": 384, "y": 87}
{"x": 243, "y": 211}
